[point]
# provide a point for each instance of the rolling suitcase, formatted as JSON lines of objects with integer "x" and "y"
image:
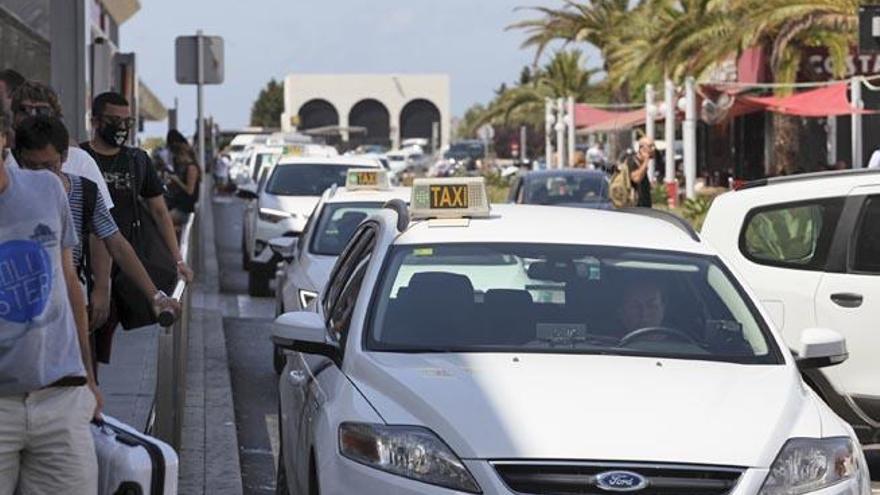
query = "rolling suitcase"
{"x": 132, "y": 463}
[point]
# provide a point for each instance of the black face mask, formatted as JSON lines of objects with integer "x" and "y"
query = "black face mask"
{"x": 113, "y": 134}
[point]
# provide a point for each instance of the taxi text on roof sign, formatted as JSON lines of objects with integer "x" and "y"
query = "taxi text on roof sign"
{"x": 449, "y": 198}
{"x": 367, "y": 178}
{"x": 293, "y": 150}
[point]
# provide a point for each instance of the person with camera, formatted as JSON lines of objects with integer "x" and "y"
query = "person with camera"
{"x": 630, "y": 184}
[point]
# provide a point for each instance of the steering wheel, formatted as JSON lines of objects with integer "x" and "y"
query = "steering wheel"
{"x": 642, "y": 332}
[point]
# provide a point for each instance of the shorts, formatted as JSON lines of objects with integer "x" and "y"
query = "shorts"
{"x": 46, "y": 445}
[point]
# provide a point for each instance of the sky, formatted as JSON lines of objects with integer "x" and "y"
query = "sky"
{"x": 272, "y": 38}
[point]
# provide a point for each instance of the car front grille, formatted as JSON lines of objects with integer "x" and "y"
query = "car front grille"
{"x": 561, "y": 478}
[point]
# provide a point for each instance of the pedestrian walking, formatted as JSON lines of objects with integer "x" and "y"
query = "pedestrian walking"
{"x": 41, "y": 143}
{"x": 48, "y": 394}
{"x": 140, "y": 214}
{"x": 221, "y": 171}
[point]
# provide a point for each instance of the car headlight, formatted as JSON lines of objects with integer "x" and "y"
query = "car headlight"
{"x": 306, "y": 297}
{"x": 808, "y": 464}
{"x": 274, "y": 216}
{"x": 410, "y": 451}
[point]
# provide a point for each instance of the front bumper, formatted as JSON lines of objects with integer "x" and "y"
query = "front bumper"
{"x": 341, "y": 475}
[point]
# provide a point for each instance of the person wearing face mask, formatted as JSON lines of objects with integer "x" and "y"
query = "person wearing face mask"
{"x": 132, "y": 181}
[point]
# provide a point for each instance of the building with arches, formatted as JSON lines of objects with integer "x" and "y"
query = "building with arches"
{"x": 369, "y": 108}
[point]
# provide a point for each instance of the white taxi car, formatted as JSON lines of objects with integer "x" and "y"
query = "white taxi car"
{"x": 284, "y": 199}
{"x": 630, "y": 360}
{"x": 809, "y": 245}
{"x": 311, "y": 256}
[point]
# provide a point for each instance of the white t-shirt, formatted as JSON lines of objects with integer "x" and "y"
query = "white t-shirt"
{"x": 875, "y": 160}
{"x": 80, "y": 163}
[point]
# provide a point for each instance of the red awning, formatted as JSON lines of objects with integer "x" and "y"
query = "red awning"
{"x": 823, "y": 102}
{"x": 619, "y": 121}
{"x": 586, "y": 115}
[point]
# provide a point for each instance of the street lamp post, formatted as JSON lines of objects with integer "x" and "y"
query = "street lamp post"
{"x": 669, "y": 131}
{"x": 856, "y": 98}
{"x": 548, "y": 132}
{"x": 690, "y": 137}
{"x": 560, "y": 131}
{"x": 650, "y": 110}
{"x": 569, "y": 121}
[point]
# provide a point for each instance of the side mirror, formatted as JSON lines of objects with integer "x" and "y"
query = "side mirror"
{"x": 821, "y": 347}
{"x": 284, "y": 247}
{"x": 304, "y": 331}
{"x": 246, "y": 193}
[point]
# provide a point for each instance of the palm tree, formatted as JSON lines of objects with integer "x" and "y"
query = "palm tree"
{"x": 564, "y": 75}
{"x": 597, "y": 23}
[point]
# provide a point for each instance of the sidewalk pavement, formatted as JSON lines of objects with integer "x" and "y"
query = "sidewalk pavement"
{"x": 209, "y": 462}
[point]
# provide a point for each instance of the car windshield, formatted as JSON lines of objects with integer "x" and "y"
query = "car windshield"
{"x": 305, "y": 179}
{"x": 336, "y": 225}
{"x": 546, "y": 298}
{"x": 465, "y": 150}
{"x": 566, "y": 189}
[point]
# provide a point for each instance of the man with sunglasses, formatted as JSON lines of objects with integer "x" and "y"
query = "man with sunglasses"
{"x": 32, "y": 99}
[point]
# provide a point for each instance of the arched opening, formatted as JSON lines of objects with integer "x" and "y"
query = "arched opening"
{"x": 372, "y": 115}
{"x": 317, "y": 113}
{"x": 417, "y": 121}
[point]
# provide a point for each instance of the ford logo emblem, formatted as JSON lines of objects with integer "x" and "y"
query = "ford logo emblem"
{"x": 620, "y": 481}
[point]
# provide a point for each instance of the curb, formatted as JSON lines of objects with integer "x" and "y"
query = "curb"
{"x": 209, "y": 453}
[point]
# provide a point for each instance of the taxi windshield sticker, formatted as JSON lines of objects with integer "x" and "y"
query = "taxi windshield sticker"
{"x": 423, "y": 251}
{"x": 365, "y": 178}
{"x": 449, "y": 196}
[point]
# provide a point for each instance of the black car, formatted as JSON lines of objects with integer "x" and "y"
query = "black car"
{"x": 563, "y": 187}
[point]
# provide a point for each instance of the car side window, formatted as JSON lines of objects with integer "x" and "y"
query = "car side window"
{"x": 361, "y": 241}
{"x": 792, "y": 235}
{"x": 342, "y": 311}
{"x": 867, "y": 239}
{"x": 263, "y": 178}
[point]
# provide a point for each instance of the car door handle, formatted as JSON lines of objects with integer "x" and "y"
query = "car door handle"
{"x": 847, "y": 299}
{"x": 297, "y": 378}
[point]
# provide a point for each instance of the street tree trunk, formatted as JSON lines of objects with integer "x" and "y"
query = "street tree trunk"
{"x": 786, "y": 141}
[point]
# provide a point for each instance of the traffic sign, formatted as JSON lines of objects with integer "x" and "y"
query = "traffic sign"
{"x": 187, "y": 59}
{"x": 486, "y": 132}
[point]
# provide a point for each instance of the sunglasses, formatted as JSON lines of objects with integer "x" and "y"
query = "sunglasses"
{"x": 118, "y": 121}
{"x": 35, "y": 110}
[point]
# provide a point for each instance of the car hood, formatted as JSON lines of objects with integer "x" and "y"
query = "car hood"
{"x": 300, "y": 205}
{"x": 545, "y": 406}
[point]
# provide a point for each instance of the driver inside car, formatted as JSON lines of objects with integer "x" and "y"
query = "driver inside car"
{"x": 642, "y": 306}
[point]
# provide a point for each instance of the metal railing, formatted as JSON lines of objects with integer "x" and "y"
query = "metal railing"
{"x": 166, "y": 420}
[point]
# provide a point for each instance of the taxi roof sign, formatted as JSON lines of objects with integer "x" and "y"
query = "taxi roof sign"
{"x": 293, "y": 150}
{"x": 454, "y": 197}
{"x": 367, "y": 178}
